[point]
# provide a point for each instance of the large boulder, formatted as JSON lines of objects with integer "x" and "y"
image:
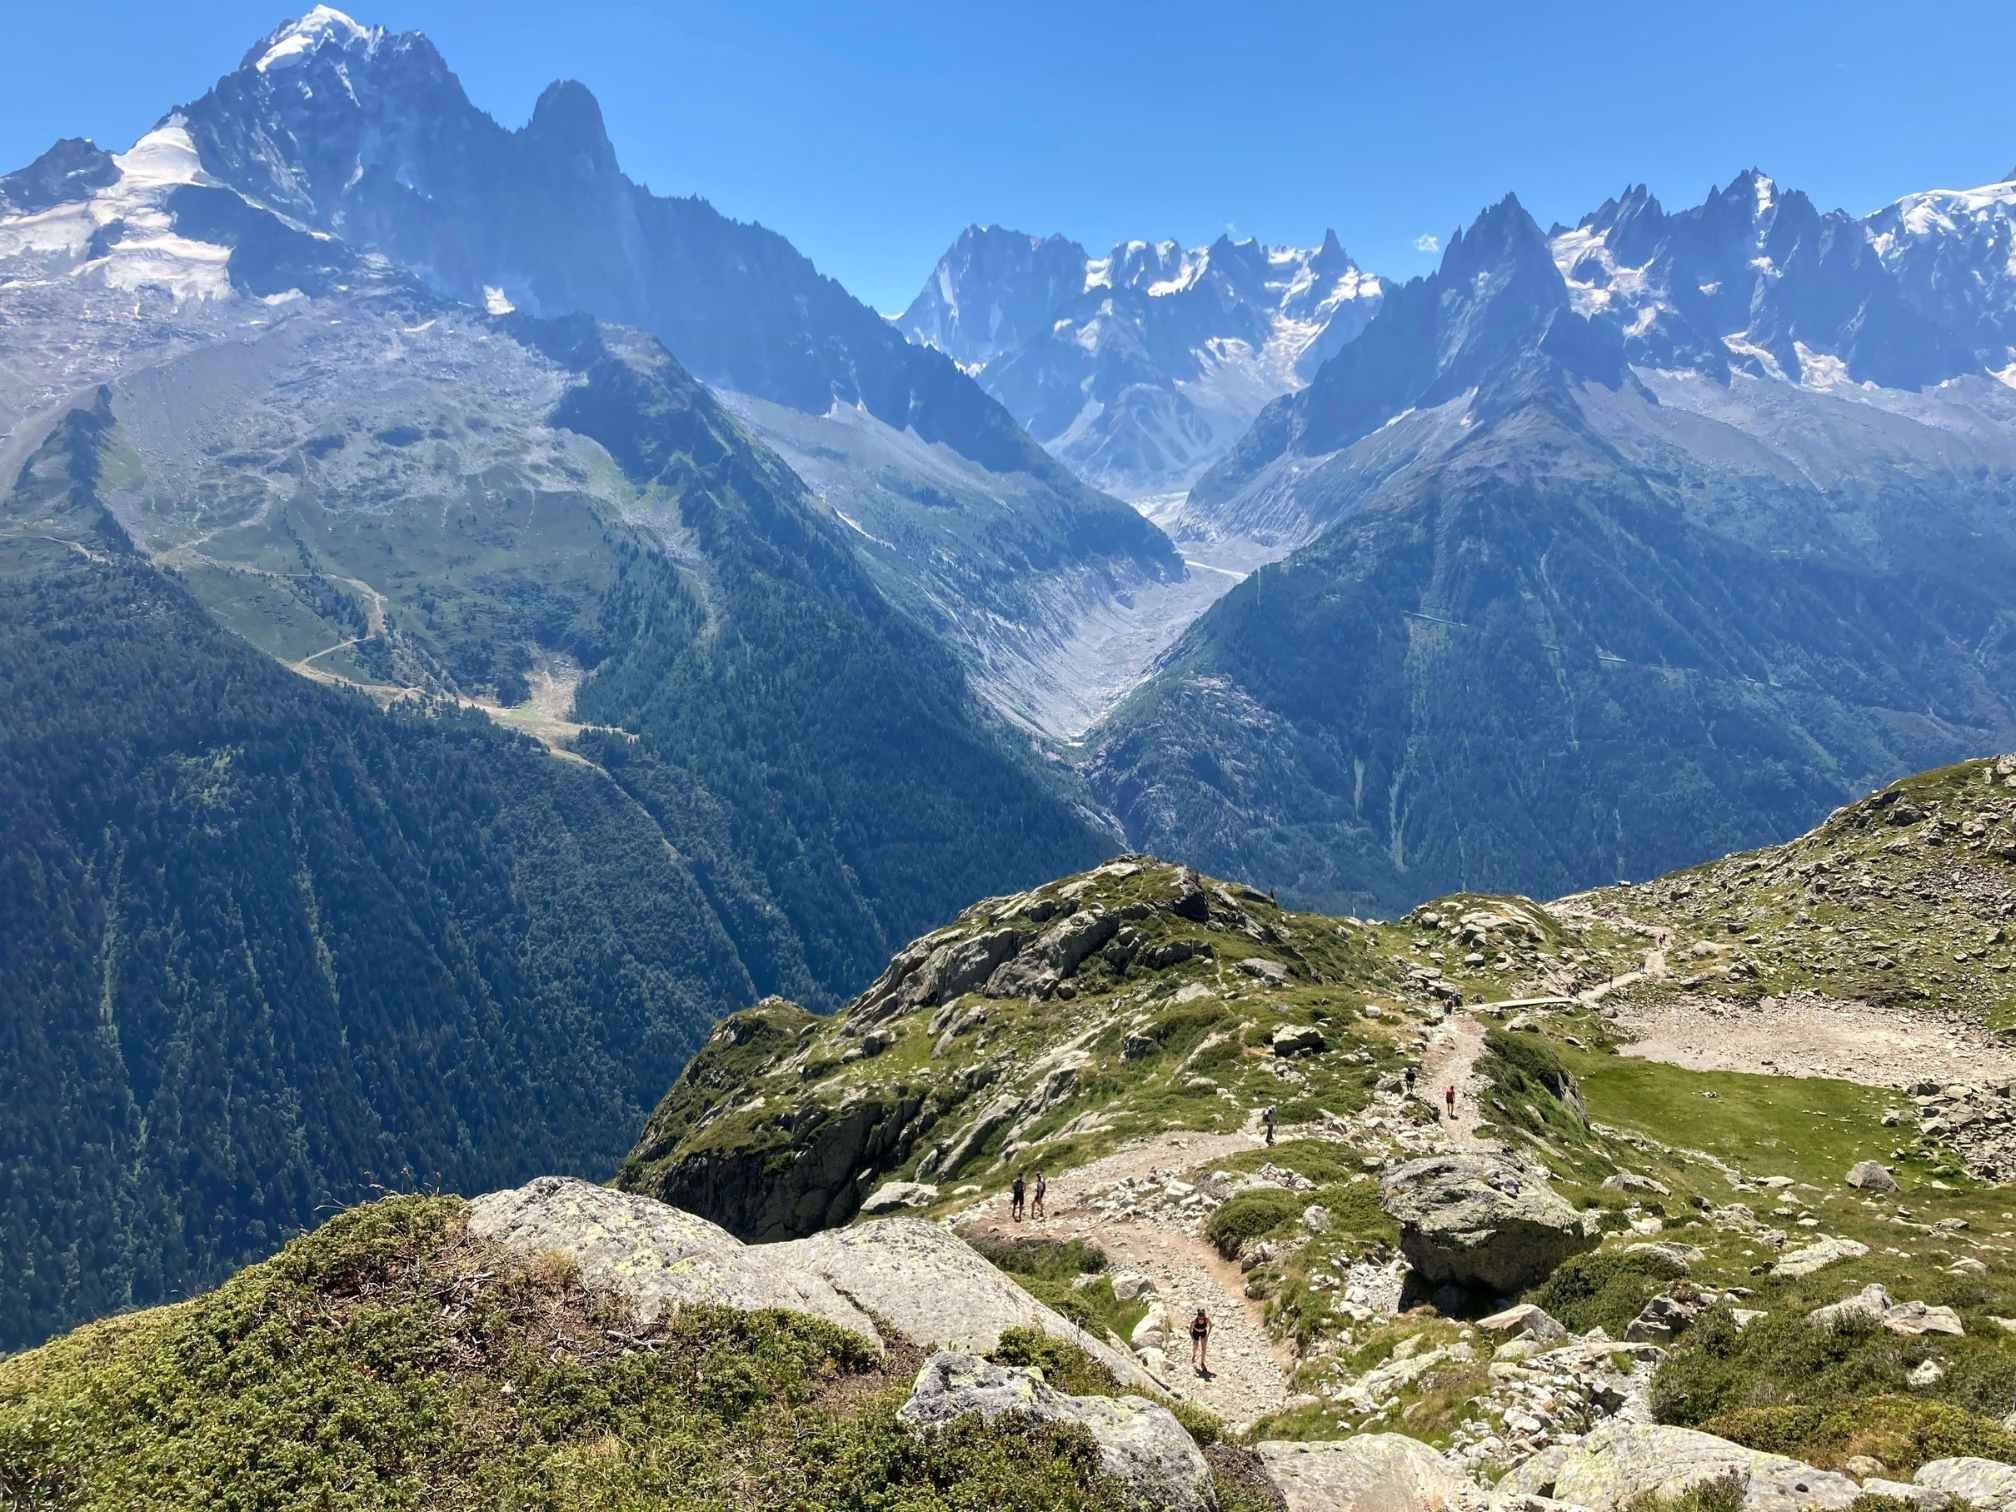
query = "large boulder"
{"x": 932, "y": 1287}
{"x": 1621, "y": 1463}
{"x": 1871, "y": 1177}
{"x": 1820, "y": 1253}
{"x": 1387, "y": 1471}
{"x": 1985, "y": 1485}
{"x": 1140, "y": 1442}
{"x": 1292, "y": 1040}
{"x": 1875, "y": 1302}
{"x": 659, "y": 1258}
{"x": 1526, "y": 1321}
{"x": 893, "y": 1196}
{"x": 1481, "y": 1221}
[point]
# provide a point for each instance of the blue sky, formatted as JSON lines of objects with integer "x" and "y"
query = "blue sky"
{"x": 870, "y": 133}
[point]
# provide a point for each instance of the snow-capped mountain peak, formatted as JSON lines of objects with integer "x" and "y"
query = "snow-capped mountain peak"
{"x": 293, "y": 41}
{"x": 1940, "y": 213}
{"x": 1138, "y": 368}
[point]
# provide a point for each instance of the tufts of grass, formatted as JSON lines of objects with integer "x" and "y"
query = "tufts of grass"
{"x": 1041, "y": 1259}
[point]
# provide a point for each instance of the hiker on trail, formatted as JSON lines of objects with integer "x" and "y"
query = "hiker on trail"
{"x": 1200, "y": 1342}
{"x": 1267, "y": 1118}
{"x": 1015, "y": 1193}
{"x": 1449, "y": 1097}
{"x": 1410, "y": 1081}
{"x": 1042, "y": 1187}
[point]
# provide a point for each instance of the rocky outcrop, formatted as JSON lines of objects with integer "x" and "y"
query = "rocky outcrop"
{"x": 1140, "y": 1442}
{"x": 794, "y": 1176}
{"x": 1545, "y": 1393}
{"x": 1481, "y": 1221}
{"x": 1387, "y": 1471}
{"x": 1292, "y": 1040}
{"x": 1978, "y": 1121}
{"x": 894, "y": 1196}
{"x": 895, "y": 1277}
{"x": 927, "y": 1284}
{"x": 1526, "y": 1322}
{"x": 1983, "y": 1484}
{"x": 656, "y": 1256}
{"x": 1620, "y": 1463}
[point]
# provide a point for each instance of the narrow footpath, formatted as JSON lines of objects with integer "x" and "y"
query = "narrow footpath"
{"x": 1249, "y": 1370}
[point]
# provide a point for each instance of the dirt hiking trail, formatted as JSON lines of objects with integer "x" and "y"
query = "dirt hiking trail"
{"x": 1249, "y": 1371}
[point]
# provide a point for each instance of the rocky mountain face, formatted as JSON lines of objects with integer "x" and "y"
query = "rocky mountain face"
{"x": 1139, "y": 369}
{"x": 1564, "y": 540}
{"x": 369, "y": 137}
{"x": 1904, "y": 313}
{"x": 498, "y": 529}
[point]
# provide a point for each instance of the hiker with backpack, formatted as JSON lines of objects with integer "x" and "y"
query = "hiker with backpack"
{"x": 1200, "y": 1343}
{"x": 1015, "y": 1194}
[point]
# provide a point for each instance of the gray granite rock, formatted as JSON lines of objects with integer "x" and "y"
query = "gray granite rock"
{"x": 935, "y": 1289}
{"x": 1387, "y": 1471}
{"x": 658, "y": 1257}
{"x": 1140, "y": 1442}
{"x": 1620, "y": 1463}
{"x": 1482, "y": 1221}
{"x": 1985, "y": 1485}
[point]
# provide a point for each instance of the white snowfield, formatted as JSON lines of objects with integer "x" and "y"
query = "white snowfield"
{"x": 144, "y": 250}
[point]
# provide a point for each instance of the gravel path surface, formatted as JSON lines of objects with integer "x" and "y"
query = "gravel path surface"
{"x": 1249, "y": 1371}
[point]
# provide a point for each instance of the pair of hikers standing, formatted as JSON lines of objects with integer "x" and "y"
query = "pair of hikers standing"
{"x": 1448, "y": 1094}
{"x": 1021, "y": 1192}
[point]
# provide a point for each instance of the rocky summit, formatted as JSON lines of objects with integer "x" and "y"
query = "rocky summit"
{"x": 1656, "y": 1131}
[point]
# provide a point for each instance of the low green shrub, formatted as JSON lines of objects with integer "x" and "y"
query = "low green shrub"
{"x": 1252, "y": 1215}
{"x": 1903, "y": 1432}
{"x": 1047, "y": 1259}
{"x": 1355, "y": 1211}
{"x": 1725, "y": 1493}
{"x": 1825, "y": 1394}
{"x": 1605, "y": 1289}
{"x": 1064, "y": 1365}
